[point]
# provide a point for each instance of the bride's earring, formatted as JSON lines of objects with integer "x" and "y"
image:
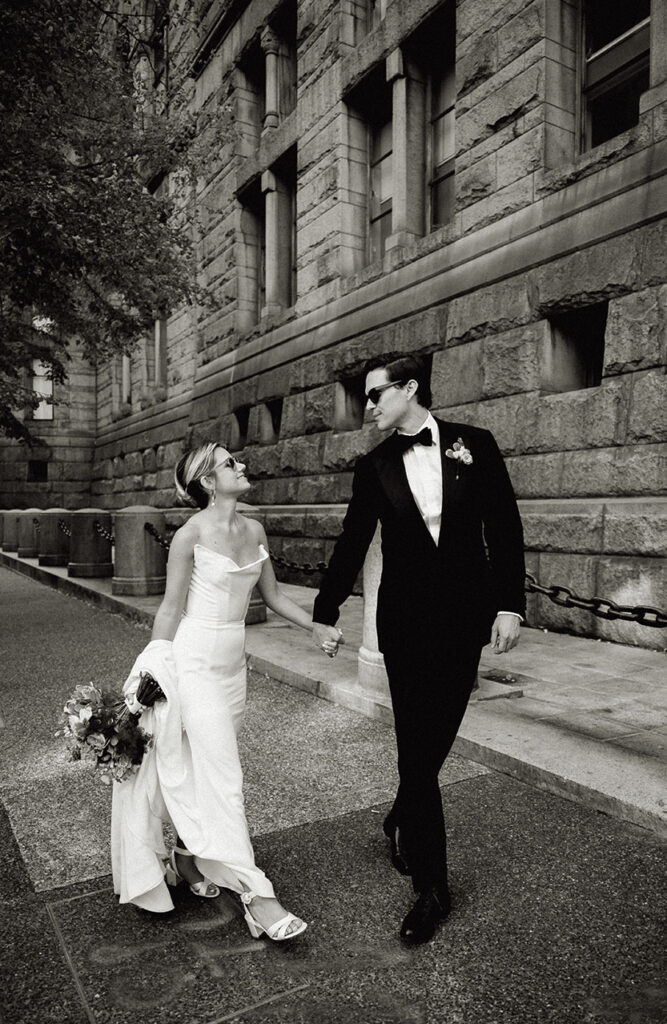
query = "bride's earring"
{"x": 211, "y": 493}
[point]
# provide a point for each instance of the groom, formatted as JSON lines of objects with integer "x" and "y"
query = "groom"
{"x": 452, "y": 579}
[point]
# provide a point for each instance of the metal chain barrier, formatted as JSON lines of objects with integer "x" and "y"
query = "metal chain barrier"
{"x": 305, "y": 567}
{"x": 155, "y": 533}
{"x": 62, "y": 525}
{"x": 35, "y": 521}
{"x": 604, "y": 609}
{"x": 643, "y": 615}
{"x": 102, "y": 532}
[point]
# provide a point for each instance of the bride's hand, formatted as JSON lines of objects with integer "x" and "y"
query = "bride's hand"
{"x": 149, "y": 690}
{"x": 327, "y": 638}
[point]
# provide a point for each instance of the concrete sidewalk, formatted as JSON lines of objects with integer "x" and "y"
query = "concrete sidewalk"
{"x": 558, "y": 910}
{"x": 581, "y": 718}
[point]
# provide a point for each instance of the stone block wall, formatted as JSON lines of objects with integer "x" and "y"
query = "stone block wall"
{"x": 538, "y": 230}
{"x": 56, "y": 470}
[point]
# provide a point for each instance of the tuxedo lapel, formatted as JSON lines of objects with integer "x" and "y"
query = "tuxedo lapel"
{"x": 391, "y": 471}
{"x": 449, "y": 467}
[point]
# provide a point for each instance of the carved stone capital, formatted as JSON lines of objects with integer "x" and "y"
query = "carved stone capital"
{"x": 269, "y": 41}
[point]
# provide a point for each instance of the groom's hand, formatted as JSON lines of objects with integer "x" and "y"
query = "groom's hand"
{"x": 327, "y": 638}
{"x": 505, "y": 633}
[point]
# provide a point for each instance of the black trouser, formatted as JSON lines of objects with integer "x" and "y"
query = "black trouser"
{"x": 430, "y": 693}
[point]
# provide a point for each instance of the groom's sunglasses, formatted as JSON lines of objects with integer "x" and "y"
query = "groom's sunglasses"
{"x": 373, "y": 394}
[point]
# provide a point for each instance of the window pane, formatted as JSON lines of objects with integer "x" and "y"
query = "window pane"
{"x": 618, "y": 109}
{"x": 42, "y": 386}
{"x": 375, "y": 13}
{"x": 381, "y": 141}
{"x": 381, "y": 182}
{"x": 442, "y": 201}
{"x": 379, "y": 232}
{"x": 444, "y": 90}
{"x": 607, "y": 20}
{"x": 444, "y": 144}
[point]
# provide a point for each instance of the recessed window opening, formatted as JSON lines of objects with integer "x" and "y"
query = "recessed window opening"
{"x": 349, "y": 403}
{"x": 38, "y": 471}
{"x": 575, "y": 349}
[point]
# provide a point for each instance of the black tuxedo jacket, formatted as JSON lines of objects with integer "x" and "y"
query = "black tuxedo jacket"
{"x": 430, "y": 593}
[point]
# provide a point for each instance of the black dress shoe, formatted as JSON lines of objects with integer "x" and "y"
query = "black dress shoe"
{"x": 397, "y": 856}
{"x": 421, "y": 922}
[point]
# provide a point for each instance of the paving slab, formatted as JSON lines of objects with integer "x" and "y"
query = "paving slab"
{"x": 558, "y": 918}
{"x": 581, "y": 700}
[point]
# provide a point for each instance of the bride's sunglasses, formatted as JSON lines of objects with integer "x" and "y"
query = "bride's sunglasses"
{"x": 229, "y": 463}
{"x": 373, "y": 394}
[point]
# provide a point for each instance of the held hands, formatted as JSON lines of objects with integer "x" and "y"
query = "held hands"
{"x": 328, "y": 638}
{"x": 505, "y": 633}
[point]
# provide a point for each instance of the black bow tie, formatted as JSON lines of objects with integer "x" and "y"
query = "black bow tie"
{"x": 405, "y": 441}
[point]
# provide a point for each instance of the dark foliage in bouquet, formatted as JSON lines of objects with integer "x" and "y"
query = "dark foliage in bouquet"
{"x": 100, "y": 723}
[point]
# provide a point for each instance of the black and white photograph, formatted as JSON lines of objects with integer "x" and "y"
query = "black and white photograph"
{"x": 333, "y": 512}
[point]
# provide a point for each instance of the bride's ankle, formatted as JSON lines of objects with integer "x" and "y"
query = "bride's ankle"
{"x": 187, "y": 868}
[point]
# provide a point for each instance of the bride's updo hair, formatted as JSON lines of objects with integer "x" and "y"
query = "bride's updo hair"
{"x": 189, "y": 471}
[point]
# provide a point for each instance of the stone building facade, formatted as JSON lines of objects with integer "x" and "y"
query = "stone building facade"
{"x": 480, "y": 182}
{"x": 55, "y": 471}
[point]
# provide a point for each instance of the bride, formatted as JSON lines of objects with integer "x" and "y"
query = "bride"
{"x": 192, "y": 776}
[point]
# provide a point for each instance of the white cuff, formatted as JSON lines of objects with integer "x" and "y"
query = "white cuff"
{"x": 520, "y": 617}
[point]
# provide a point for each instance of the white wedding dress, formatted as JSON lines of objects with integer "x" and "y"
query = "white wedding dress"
{"x": 192, "y": 775}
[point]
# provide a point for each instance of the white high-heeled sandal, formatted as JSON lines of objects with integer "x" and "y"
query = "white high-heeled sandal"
{"x": 206, "y": 889}
{"x": 278, "y": 931}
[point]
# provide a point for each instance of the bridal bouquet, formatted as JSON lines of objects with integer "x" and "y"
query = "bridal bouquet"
{"x": 101, "y": 724}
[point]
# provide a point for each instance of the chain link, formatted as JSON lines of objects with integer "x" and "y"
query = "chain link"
{"x": 603, "y": 608}
{"x": 155, "y": 533}
{"x": 62, "y": 525}
{"x": 305, "y": 567}
{"x": 644, "y": 615}
{"x": 102, "y": 531}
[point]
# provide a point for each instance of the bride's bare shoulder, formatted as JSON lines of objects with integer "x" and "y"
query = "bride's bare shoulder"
{"x": 187, "y": 535}
{"x": 256, "y": 530}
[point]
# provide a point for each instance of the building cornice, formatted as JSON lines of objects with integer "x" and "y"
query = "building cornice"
{"x": 610, "y": 202}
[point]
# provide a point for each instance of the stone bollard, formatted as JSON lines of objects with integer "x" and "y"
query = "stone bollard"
{"x": 10, "y": 529}
{"x": 90, "y": 549}
{"x": 256, "y": 609}
{"x": 53, "y": 541}
{"x": 27, "y": 532}
{"x": 140, "y": 562}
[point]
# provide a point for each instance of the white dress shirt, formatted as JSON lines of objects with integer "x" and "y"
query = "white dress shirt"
{"x": 423, "y": 468}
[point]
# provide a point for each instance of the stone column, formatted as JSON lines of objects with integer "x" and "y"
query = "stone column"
{"x": 658, "y": 42}
{"x": 372, "y": 674}
{"x": 408, "y": 109}
{"x": 277, "y": 214}
{"x": 657, "y": 93}
{"x": 271, "y": 47}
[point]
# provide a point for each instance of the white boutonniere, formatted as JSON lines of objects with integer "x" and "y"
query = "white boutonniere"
{"x": 460, "y": 453}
